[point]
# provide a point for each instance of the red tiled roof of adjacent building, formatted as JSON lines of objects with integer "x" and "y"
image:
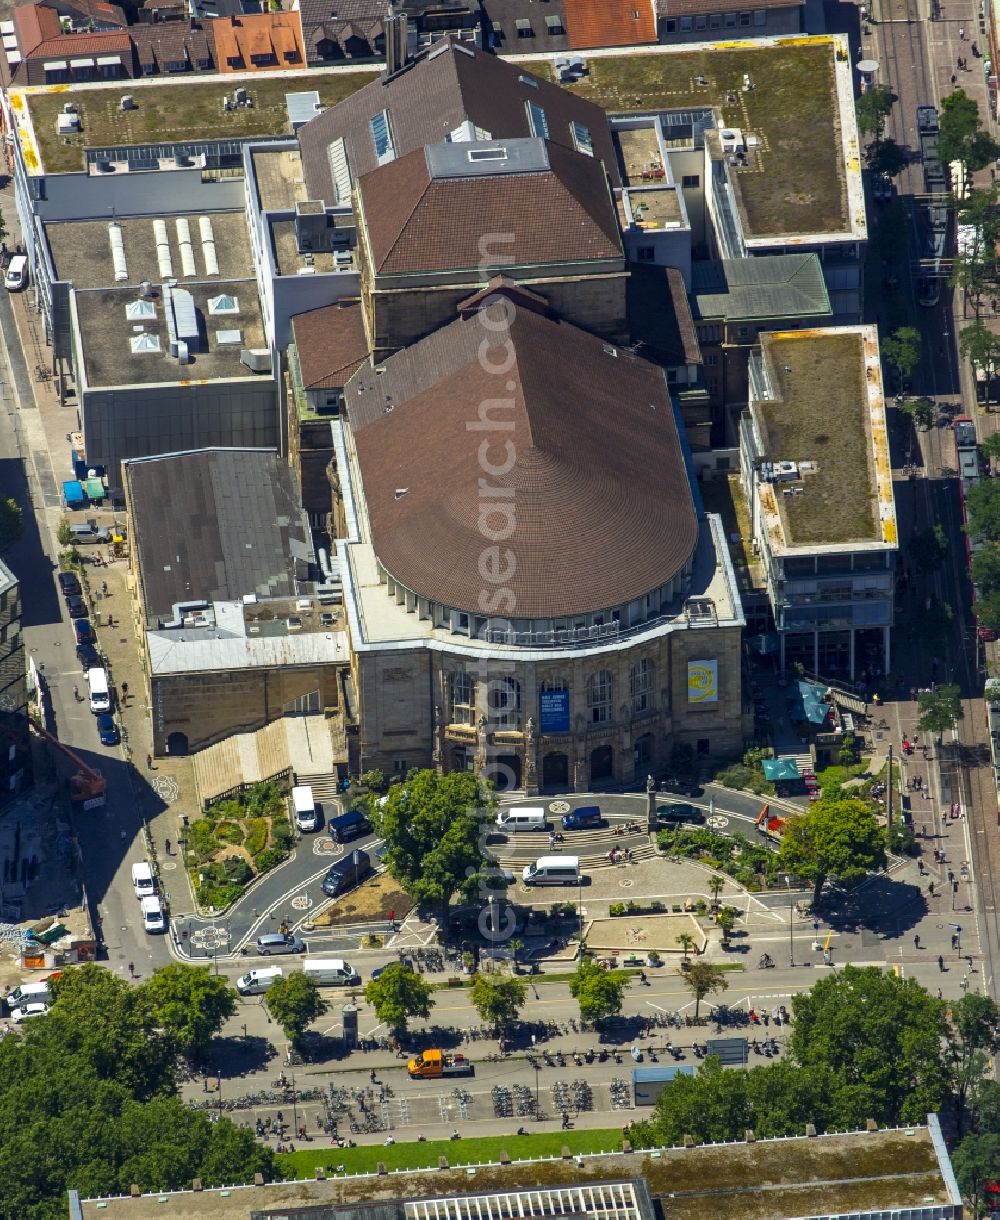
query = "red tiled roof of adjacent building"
{"x": 69, "y": 45}
{"x": 34, "y": 24}
{"x": 584, "y": 417}
{"x": 274, "y": 37}
{"x": 331, "y": 345}
{"x": 610, "y": 23}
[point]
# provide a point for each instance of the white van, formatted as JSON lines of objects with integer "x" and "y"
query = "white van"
{"x": 522, "y": 819}
{"x": 258, "y": 981}
{"x": 552, "y": 870}
{"x": 16, "y": 278}
{"x": 29, "y": 993}
{"x": 306, "y": 816}
{"x": 330, "y": 972}
{"x": 143, "y": 881}
{"x": 100, "y": 696}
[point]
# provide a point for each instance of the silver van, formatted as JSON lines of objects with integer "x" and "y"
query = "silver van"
{"x": 279, "y": 942}
{"x": 256, "y": 982}
{"x": 29, "y": 993}
{"x": 552, "y": 870}
{"x": 522, "y": 819}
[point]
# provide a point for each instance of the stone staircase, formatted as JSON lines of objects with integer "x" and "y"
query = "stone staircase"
{"x": 323, "y": 784}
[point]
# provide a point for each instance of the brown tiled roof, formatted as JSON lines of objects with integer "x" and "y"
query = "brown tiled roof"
{"x": 659, "y": 315}
{"x": 589, "y": 531}
{"x": 610, "y": 23}
{"x": 239, "y": 39}
{"x": 692, "y": 8}
{"x": 35, "y": 24}
{"x": 331, "y": 344}
{"x": 66, "y": 46}
{"x": 418, "y": 223}
{"x": 436, "y": 95}
{"x": 503, "y": 286}
{"x": 168, "y": 42}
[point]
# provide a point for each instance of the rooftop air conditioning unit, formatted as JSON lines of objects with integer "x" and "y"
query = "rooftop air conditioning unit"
{"x": 128, "y": 102}
{"x": 256, "y": 359}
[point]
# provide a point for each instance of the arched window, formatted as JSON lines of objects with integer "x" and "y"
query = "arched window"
{"x": 505, "y": 702}
{"x": 599, "y": 690}
{"x": 640, "y": 681}
{"x": 463, "y": 699}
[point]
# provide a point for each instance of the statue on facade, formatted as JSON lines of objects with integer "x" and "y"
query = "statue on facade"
{"x": 650, "y": 784}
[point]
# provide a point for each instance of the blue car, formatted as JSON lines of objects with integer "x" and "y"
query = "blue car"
{"x": 107, "y": 729}
{"x": 85, "y": 634}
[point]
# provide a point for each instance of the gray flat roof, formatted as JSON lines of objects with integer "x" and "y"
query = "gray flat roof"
{"x": 81, "y": 249}
{"x": 107, "y": 332}
{"x": 761, "y": 288}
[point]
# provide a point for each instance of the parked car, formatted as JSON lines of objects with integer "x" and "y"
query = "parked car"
{"x": 883, "y": 188}
{"x": 38, "y": 1009}
{"x": 154, "y": 918}
{"x": 76, "y": 606}
{"x": 678, "y": 813}
{"x": 107, "y": 729}
{"x": 16, "y": 277}
{"x": 279, "y": 942}
{"x": 88, "y": 656}
{"x": 68, "y": 584}
{"x": 84, "y": 632}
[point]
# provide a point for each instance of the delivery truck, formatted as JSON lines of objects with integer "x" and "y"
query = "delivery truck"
{"x": 433, "y": 1064}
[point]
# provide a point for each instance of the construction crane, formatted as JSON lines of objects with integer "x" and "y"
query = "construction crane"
{"x": 87, "y": 786}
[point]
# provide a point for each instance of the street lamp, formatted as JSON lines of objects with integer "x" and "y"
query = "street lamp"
{"x": 791, "y": 915}
{"x": 538, "y": 1111}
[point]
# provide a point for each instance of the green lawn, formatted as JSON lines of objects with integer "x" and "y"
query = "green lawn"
{"x": 480, "y": 1150}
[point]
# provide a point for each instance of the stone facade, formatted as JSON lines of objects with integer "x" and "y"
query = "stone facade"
{"x": 628, "y": 707}
{"x": 14, "y": 749}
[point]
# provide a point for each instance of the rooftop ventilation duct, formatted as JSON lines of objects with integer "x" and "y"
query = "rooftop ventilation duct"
{"x": 118, "y": 252}
{"x": 188, "y": 267}
{"x": 208, "y": 246}
{"x": 163, "y": 249}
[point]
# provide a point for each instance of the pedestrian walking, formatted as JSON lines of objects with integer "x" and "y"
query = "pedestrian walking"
{"x": 916, "y": 942}
{"x": 961, "y": 33}
{"x": 124, "y": 691}
{"x": 131, "y": 970}
{"x": 954, "y": 82}
{"x": 930, "y": 889}
{"x": 104, "y": 588}
{"x": 149, "y": 762}
{"x": 940, "y": 963}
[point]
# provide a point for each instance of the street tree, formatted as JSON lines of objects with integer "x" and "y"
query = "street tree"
{"x": 295, "y": 1002}
{"x": 981, "y": 347}
{"x": 881, "y": 1036}
{"x": 725, "y": 921}
{"x": 901, "y": 349}
{"x": 872, "y": 109}
{"x": 704, "y": 979}
{"x": 974, "y": 1023}
{"x": 928, "y": 549}
{"x": 920, "y": 410}
{"x": 976, "y": 1162}
{"x": 190, "y": 1004}
{"x": 687, "y": 943}
{"x": 833, "y": 838}
{"x": 598, "y": 991}
{"x": 985, "y": 569}
{"x": 11, "y": 523}
{"x": 398, "y": 994}
{"x": 433, "y": 827}
{"x": 886, "y": 157}
{"x": 961, "y": 136}
{"x": 933, "y": 625}
{"x": 939, "y": 709}
{"x": 983, "y": 505}
{"x": 497, "y": 998}
{"x": 991, "y": 447}
{"x": 64, "y": 533}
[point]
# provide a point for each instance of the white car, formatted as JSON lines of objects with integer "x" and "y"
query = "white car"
{"x": 153, "y": 917}
{"x": 37, "y": 1009}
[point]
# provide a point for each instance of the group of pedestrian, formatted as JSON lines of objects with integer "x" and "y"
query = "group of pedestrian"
{"x": 620, "y": 855}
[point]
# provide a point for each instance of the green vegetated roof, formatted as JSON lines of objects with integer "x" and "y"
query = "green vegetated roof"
{"x": 820, "y": 414}
{"x": 770, "y": 286}
{"x": 799, "y": 185}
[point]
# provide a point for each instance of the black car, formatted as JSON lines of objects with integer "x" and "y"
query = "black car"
{"x": 346, "y": 873}
{"x": 88, "y": 656}
{"x": 84, "y": 631}
{"x": 69, "y": 586}
{"x": 677, "y": 814}
{"x": 76, "y": 606}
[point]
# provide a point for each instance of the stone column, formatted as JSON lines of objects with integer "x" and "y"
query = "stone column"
{"x": 530, "y": 777}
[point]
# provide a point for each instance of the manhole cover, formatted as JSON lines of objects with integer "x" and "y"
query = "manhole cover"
{"x": 559, "y": 807}
{"x": 625, "y": 885}
{"x": 301, "y": 902}
{"x": 717, "y": 821}
{"x": 166, "y": 868}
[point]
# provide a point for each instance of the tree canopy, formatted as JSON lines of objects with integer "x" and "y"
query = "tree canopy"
{"x": 961, "y": 136}
{"x": 872, "y": 109}
{"x": 886, "y": 157}
{"x": 398, "y": 994}
{"x": 598, "y": 991}
{"x": 295, "y": 1002}
{"x": 190, "y": 1004}
{"x": 983, "y": 504}
{"x": 939, "y": 709}
{"x": 497, "y": 998}
{"x": 433, "y": 826}
{"x": 11, "y": 523}
{"x": 981, "y": 347}
{"x": 88, "y": 1101}
{"x": 833, "y": 838}
{"x": 703, "y": 979}
{"x": 902, "y": 350}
